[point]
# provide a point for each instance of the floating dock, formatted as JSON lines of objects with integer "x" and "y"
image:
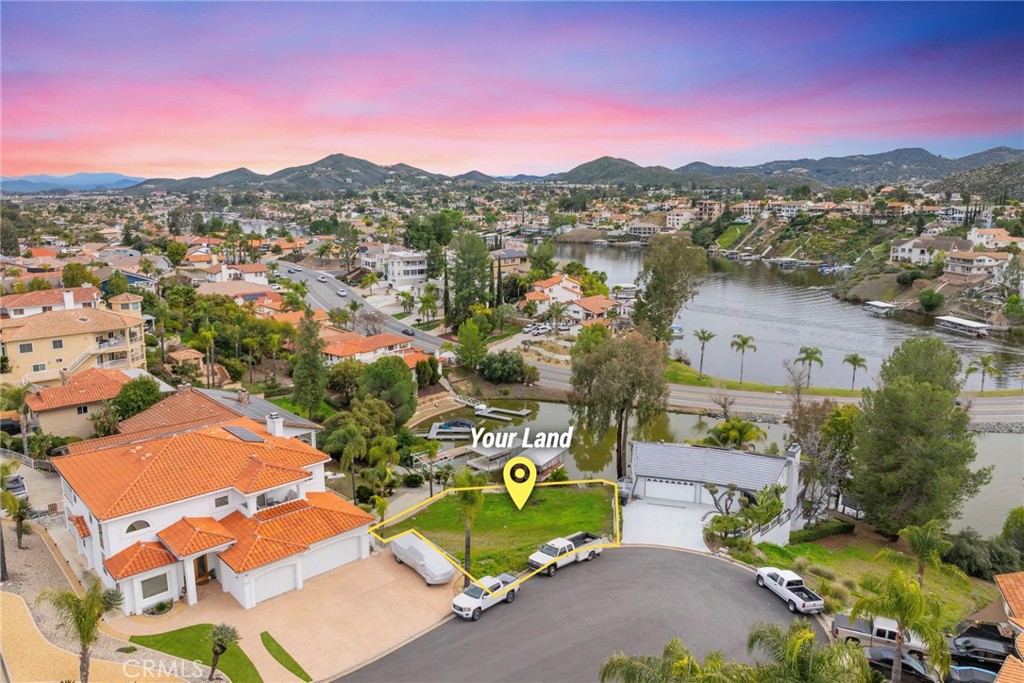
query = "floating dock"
{"x": 438, "y": 432}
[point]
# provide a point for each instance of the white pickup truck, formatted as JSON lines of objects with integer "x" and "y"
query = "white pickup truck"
{"x": 559, "y": 552}
{"x": 790, "y": 587}
{"x": 470, "y": 603}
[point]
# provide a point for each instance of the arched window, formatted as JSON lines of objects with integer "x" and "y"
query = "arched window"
{"x": 137, "y": 526}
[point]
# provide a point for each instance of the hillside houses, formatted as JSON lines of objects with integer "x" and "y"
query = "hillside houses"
{"x": 921, "y": 251}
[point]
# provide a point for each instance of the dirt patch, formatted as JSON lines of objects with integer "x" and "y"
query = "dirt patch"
{"x": 480, "y": 388}
{"x": 877, "y": 288}
{"x": 581, "y": 236}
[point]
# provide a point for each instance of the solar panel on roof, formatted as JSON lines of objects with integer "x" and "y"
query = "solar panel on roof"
{"x": 245, "y": 434}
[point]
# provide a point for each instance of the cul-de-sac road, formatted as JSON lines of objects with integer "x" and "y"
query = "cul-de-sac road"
{"x": 562, "y": 628}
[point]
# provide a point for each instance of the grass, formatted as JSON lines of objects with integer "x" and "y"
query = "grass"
{"x": 679, "y": 373}
{"x": 855, "y": 559}
{"x": 510, "y": 331}
{"x": 287, "y": 403}
{"x": 503, "y": 536}
{"x": 282, "y": 656}
{"x": 400, "y": 316}
{"x": 427, "y": 326}
{"x": 732, "y": 233}
{"x": 193, "y": 643}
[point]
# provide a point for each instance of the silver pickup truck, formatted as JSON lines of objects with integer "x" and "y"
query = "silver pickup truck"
{"x": 877, "y": 632}
{"x": 558, "y": 552}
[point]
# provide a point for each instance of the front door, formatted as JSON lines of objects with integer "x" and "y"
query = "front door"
{"x": 202, "y": 570}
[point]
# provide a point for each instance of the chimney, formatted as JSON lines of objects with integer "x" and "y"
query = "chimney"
{"x": 183, "y": 388}
{"x": 275, "y": 425}
{"x": 64, "y": 376}
{"x": 69, "y": 298}
{"x": 792, "y": 478}
{"x": 213, "y": 258}
{"x": 243, "y": 397}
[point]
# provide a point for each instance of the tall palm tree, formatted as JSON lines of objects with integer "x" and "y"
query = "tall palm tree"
{"x": 80, "y": 617}
{"x": 675, "y": 665}
{"x": 556, "y": 313}
{"x": 929, "y": 544}
{"x": 470, "y": 503}
{"x": 742, "y": 344}
{"x": 407, "y": 301}
{"x": 428, "y": 305}
{"x": 794, "y": 655}
{"x": 6, "y": 469}
{"x": 18, "y": 509}
{"x": 272, "y": 344}
{"x": 857, "y": 362}
{"x": 735, "y": 433}
{"x": 986, "y": 364}
{"x": 349, "y": 443}
{"x": 703, "y": 336}
{"x": 12, "y": 397}
{"x": 807, "y": 356}
{"x": 368, "y": 281}
{"x": 900, "y": 597}
{"x": 222, "y": 637}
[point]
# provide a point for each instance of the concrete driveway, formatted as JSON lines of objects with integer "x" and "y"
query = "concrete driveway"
{"x": 335, "y": 622}
{"x": 673, "y": 526}
{"x": 563, "y": 628}
{"x": 43, "y": 487}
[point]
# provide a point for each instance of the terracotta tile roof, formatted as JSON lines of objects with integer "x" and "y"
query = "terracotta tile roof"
{"x": 250, "y": 267}
{"x": 284, "y": 530}
{"x": 185, "y": 354}
{"x": 411, "y": 359}
{"x": 134, "y": 437}
{"x": 554, "y": 280}
{"x": 295, "y": 317}
{"x": 594, "y": 304}
{"x": 90, "y": 386}
{"x": 1012, "y": 671}
{"x": 191, "y": 535}
{"x": 137, "y": 558}
{"x": 125, "y": 298}
{"x": 80, "y": 526}
{"x": 353, "y": 343}
{"x": 120, "y": 480}
{"x": 179, "y": 408}
{"x": 50, "y": 297}
{"x": 537, "y": 296}
{"x": 1012, "y": 588}
{"x": 69, "y": 322}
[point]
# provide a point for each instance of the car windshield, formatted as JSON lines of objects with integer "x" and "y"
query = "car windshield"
{"x": 474, "y": 591}
{"x": 549, "y": 550}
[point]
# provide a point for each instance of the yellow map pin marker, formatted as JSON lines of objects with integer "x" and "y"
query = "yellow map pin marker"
{"x": 520, "y": 476}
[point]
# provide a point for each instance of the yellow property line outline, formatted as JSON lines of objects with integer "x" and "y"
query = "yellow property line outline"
{"x": 498, "y": 487}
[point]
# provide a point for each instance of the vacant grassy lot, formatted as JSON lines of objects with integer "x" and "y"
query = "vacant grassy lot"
{"x": 504, "y": 536}
{"x": 731, "y": 234}
{"x": 286, "y": 402}
{"x": 679, "y": 373}
{"x": 193, "y": 642}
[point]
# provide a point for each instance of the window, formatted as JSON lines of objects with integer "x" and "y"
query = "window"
{"x": 25, "y": 348}
{"x": 220, "y": 501}
{"x": 18, "y": 311}
{"x": 156, "y": 585}
{"x": 39, "y": 367}
{"x": 82, "y": 410}
{"x": 137, "y": 526}
{"x": 47, "y": 309}
{"x": 57, "y": 344}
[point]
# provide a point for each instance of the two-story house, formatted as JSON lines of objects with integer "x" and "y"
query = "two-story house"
{"x": 980, "y": 265}
{"x": 43, "y": 301}
{"x": 405, "y": 270}
{"x": 366, "y": 349}
{"x": 253, "y": 273}
{"x": 709, "y": 209}
{"x": 921, "y": 251}
{"x": 591, "y": 307}
{"x": 40, "y": 347}
{"x": 236, "y": 506}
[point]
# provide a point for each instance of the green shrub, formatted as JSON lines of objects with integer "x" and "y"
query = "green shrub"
{"x": 559, "y": 475}
{"x": 931, "y": 300}
{"x": 800, "y": 564}
{"x": 822, "y": 530}
{"x": 151, "y": 340}
{"x": 412, "y": 480}
{"x": 833, "y": 606}
{"x": 823, "y": 572}
{"x": 849, "y": 584}
{"x": 364, "y": 494}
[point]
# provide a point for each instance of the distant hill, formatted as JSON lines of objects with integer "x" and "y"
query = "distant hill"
{"x": 77, "y": 181}
{"x": 611, "y": 171}
{"x": 897, "y": 166}
{"x": 989, "y": 181}
{"x": 474, "y": 179}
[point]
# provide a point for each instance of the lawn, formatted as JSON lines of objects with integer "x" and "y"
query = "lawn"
{"x": 852, "y": 557}
{"x": 504, "y": 536}
{"x": 732, "y": 233}
{"x": 510, "y": 331}
{"x": 193, "y": 643}
{"x": 400, "y": 316}
{"x": 286, "y": 402}
{"x": 427, "y": 326}
{"x": 282, "y": 656}
{"x": 679, "y": 373}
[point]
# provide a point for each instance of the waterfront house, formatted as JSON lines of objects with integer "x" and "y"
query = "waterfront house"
{"x": 976, "y": 266}
{"x": 591, "y": 307}
{"x": 921, "y": 251}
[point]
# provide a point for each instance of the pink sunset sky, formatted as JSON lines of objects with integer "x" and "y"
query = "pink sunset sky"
{"x": 178, "y": 89}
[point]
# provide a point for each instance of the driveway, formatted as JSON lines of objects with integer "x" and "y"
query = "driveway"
{"x": 631, "y": 600}
{"x": 674, "y": 526}
{"x": 335, "y": 622}
{"x": 43, "y": 487}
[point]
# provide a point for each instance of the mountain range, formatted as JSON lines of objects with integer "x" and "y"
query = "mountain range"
{"x": 339, "y": 172}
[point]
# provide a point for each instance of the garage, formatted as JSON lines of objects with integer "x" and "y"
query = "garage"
{"x": 669, "y": 491}
{"x": 275, "y": 581}
{"x": 331, "y": 556}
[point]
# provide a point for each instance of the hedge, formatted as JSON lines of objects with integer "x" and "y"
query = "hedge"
{"x": 836, "y": 526}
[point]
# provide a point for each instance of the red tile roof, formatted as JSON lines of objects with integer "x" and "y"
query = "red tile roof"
{"x": 178, "y": 408}
{"x": 1012, "y": 671}
{"x": 191, "y": 535}
{"x": 50, "y": 297}
{"x": 1012, "y": 588}
{"x": 80, "y": 526}
{"x": 90, "y": 386}
{"x": 137, "y": 558}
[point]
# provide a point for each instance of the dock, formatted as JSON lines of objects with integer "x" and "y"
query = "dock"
{"x": 493, "y": 460}
{"x": 438, "y": 432}
{"x": 481, "y": 409}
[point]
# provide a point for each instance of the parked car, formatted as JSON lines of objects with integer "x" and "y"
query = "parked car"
{"x": 415, "y": 552}
{"x": 559, "y": 552}
{"x": 292, "y": 270}
{"x": 10, "y": 425}
{"x": 342, "y": 292}
{"x": 881, "y": 659}
{"x": 565, "y": 327}
{"x": 980, "y": 652}
{"x": 409, "y": 331}
{"x": 470, "y": 603}
{"x": 298, "y": 269}
{"x": 276, "y": 287}
{"x": 541, "y": 329}
{"x": 877, "y": 632}
{"x": 16, "y": 485}
{"x": 790, "y": 587}
{"x": 969, "y": 674}
{"x": 528, "y": 328}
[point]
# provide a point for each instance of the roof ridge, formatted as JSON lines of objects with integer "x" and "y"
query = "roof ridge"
{"x": 150, "y": 459}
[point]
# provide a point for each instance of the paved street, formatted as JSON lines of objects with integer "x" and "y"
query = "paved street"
{"x": 629, "y": 600}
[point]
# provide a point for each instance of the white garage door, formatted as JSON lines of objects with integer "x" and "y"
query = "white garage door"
{"x": 275, "y": 581}
{"x": 331, "y": 556}
{"x": 662, "y": 492}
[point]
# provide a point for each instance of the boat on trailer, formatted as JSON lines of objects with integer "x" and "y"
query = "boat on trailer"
{"x": 971, "y": 328}
{"x": 879, "y": 308}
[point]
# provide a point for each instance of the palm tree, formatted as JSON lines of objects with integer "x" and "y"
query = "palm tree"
{"x": 18, "y": 509}
{"x": 350, "y": 443}
{"x": 222, "y": 637}
{"x": 368, "y": 281}
{"x": 808, "y": 355}
{"x": 742, "y": 344}
{"x": 703, "y": 336}
{"x": 428, "y": 305}
{"x": 13, "y": 398}
{"x": 900, "y": 597}
{"x": 794, "y": 655}
{"x": 470, "y": 503}
{"x": 857, "y": 362}
{"x": 273, "y": 343}
{"x": 676, "y": 664}
{"x": 80, "y": 616}
{"x": 735, "y": 433}
{"x": 556, "y": 313}
{"x": 929, "y": 544}
{"x": 408, "y": 302}
{"x": 206, "y": 338}
{"x": 253, "y": 345}
{"x": 986, "y": 364}
{"x": 6, "y": 470}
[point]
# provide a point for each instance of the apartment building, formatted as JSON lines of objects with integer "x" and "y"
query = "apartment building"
{"x": 709, "y": 210}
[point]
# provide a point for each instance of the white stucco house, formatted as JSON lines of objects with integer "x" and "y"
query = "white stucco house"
{"x": 236, "y": 505}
